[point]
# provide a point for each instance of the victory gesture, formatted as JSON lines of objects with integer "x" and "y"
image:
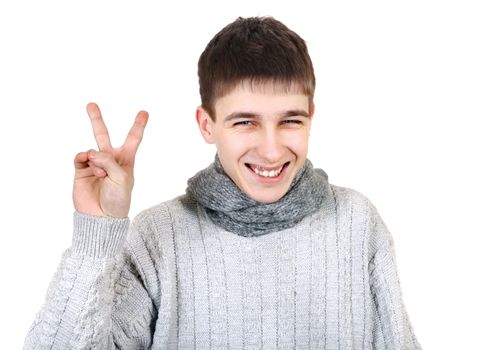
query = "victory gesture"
{"x": 104, "y": 179}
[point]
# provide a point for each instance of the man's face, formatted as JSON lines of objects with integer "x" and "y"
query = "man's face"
{"x": 261, "y": 135}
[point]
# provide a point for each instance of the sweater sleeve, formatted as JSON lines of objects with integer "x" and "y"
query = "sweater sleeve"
{"x": 392, "y": 328}
{"x": 96, "y": 299}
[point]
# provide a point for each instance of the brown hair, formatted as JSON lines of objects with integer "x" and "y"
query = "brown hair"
{"x": 256, "y": 50}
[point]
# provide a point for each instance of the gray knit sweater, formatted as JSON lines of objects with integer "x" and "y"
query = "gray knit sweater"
{"x": 175, "y": 280}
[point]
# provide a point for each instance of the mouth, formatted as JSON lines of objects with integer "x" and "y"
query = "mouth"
{"x": 267, "y": 172}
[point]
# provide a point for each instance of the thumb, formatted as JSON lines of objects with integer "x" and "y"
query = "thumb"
{"x": 108, "y": 164}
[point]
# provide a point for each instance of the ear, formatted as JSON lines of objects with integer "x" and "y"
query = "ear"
{"x": 205, "y": 124}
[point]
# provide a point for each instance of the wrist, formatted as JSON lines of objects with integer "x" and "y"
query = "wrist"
{"x": 98, "y": 236}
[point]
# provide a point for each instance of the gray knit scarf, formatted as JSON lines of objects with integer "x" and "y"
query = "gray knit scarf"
{"x": 233, "y": 210}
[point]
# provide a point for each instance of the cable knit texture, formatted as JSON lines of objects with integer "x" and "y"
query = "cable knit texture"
{"x": 175, "y": 280}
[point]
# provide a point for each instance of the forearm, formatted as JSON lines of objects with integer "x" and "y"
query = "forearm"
{"x": 80, "y": 296}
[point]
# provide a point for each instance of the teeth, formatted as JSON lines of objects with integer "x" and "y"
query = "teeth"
{"x": 268, "y": 173}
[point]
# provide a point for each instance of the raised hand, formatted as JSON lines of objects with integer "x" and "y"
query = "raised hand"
{"x": 104, "y": 179}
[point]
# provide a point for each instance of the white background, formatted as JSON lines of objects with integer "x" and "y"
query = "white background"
{"x": 408, "y": 109}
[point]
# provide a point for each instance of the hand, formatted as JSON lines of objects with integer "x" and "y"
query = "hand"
{"x": 104, "y": 179}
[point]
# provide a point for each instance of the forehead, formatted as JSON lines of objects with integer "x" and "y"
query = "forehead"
{"x": 262, "y": 98}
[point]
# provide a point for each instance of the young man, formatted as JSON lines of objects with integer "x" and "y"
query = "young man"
{"x": 261, "y": 252}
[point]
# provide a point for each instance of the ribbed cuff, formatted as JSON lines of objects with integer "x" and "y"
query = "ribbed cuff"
{"x": 98, "y": 236}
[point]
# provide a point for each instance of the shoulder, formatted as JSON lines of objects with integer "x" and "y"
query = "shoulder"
{"x": 164, "y": 213}
{"x": 150, "y": 236}
{"x": 348, "y": 198}
{"x": 361, "y": 212}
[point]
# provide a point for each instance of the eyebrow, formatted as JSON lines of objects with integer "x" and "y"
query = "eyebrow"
{"x": 246, "y": 115}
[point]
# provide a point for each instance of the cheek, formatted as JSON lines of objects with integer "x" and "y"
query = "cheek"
{"x": 241, "y": 142}
{"x": 233, "y": 146}
{"x": 298, "y": 142}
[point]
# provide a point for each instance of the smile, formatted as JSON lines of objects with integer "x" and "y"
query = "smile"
{"x": 266, "y": 171}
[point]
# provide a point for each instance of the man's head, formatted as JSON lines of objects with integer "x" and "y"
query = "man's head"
{"x": 257, "y": 85}
{"x": 256, "y": 50}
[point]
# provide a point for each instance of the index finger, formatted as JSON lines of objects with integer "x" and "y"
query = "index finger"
{"x": 98, "y": 127}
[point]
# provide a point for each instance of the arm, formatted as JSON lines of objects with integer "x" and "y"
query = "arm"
{"x": 392, "y": 327}
{"x": 96, "y": 299}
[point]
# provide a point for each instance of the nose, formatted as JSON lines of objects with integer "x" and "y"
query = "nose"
{"x": 270, "y": 147}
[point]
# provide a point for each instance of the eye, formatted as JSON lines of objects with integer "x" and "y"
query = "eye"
{"x": 243, "y": 123}
{"x": 292, "y": 122}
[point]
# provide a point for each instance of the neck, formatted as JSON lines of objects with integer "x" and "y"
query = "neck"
{"x": 234, "y": 211}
